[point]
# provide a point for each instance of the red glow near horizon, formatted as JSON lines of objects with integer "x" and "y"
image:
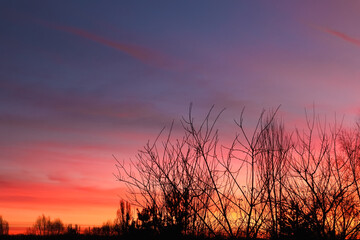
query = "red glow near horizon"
{"x": 26, "y": 200}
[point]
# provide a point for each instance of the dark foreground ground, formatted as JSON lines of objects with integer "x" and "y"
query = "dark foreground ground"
{"x": 95, "y": 237}
{"x": 62, "y": 237}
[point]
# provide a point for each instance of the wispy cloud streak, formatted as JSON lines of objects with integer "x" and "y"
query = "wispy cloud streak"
{"x": 140, "y": 53}
{"x": 340, "y": 35}
{"x": 82, "y": 106}
{"x": 143, "y": 54}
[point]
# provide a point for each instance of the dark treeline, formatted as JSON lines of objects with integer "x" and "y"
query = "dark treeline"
{"x": 267, "y": 183}
{"x": 125, "y": 226}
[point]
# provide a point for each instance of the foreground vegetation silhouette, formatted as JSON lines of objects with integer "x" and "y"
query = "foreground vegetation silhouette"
{"x": 268, "y": 182}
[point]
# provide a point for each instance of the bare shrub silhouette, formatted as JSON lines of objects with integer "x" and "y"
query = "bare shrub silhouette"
{"x": 270, "y": 182}
{"x": 178, "y": 186}
{"x": 321, "y": 184}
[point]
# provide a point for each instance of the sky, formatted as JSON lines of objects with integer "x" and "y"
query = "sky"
{"x": 81, "y": 81}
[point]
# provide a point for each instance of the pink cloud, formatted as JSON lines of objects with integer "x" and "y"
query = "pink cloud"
{"x": 338, "y": 34}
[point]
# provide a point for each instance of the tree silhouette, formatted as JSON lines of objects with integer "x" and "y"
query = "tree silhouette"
{"x": 4, "y": 226}
{"x": 44, "y": 226}
{"x": 123, "y": 220}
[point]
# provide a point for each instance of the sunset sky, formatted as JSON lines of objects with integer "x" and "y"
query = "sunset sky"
{"x": 81, "y": 81}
